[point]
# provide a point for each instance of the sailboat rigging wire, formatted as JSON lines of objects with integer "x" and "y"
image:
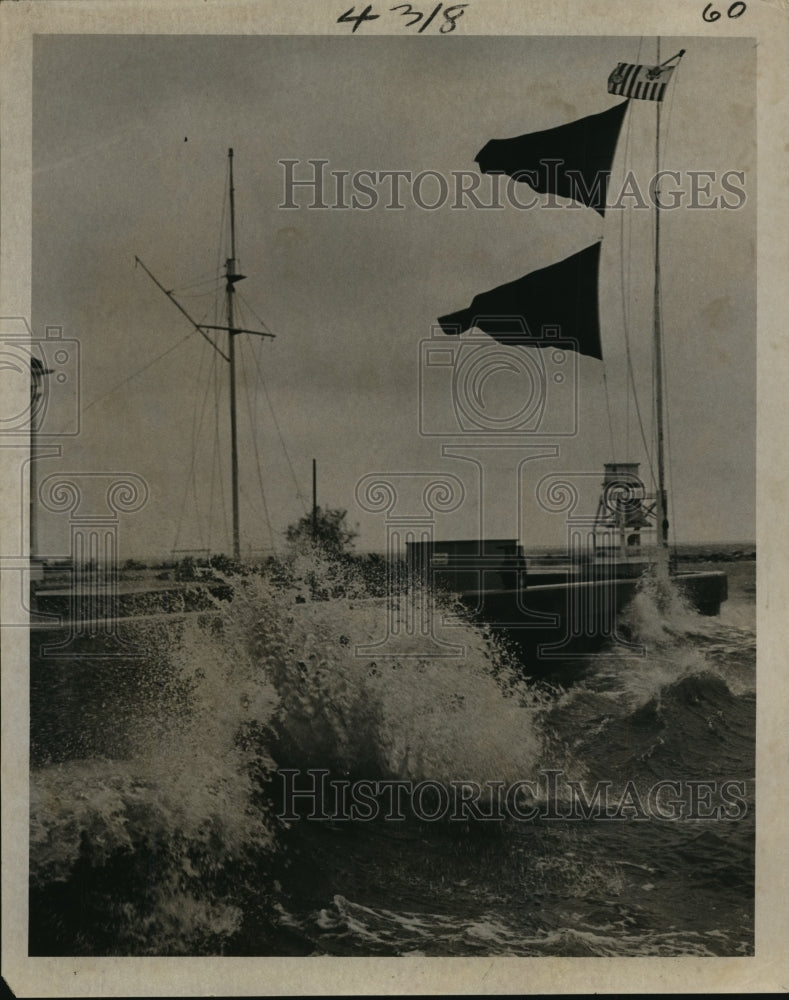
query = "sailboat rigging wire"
{"x": 139, "y": 371}
{"x": 672, "y": 518}
{"x": 625, "y": 284}
{"x": 199, "y": 295}
{"x": 299, "y": 494}
{"x": 222, "y": 220}
{"x": 262, "y": 322}
{"x": 196, "y": 425}
{"x": 667, "y": 408}
{"x": 216, "y": 460}
{"x": 670, "y": 108}
{"x": 214, "y": 279}
{"x": 624, "y": 288}
{"x": 257, "y": 461}
{"x": 610, "y": 419}
{"x": 190, "y": 479}
{"x": 179, "y": 307}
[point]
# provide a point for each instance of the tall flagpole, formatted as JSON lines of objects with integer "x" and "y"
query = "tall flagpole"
{"x": 232, "y": 278}
{"x": 662, "y": 507}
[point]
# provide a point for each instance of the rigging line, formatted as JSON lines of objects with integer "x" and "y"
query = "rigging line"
{"x": 638, "y": 406}
{"x": 211, "y": 478}
{"x": 178, "y": 305}
{"x": 190, "y": 479}
{"x": 193, "y": 443}
{"x": 212, "y": 474}
{"x": 254, "y": 423}
{"x": 219, "y": 304}
{"x": 668, "y": 114}
{"x": 629, "y": 377}
{"x": 672, "y": 516}
{"x": 238, "y": 221}
{"x": 216, "y": 465}
{"x": 255, "y": 397}
{"x": 648, "y": 448}
{"x": 299, "y": 494}
{"x": 198, "y": 282}
{"x": 669, "y": 450}
{"x": 215, "y": 474}
{"x": 194, "y": 461}
{"x": 213, "y": 380}
{"x": 262, "y": 322}
{"x": 216, "y": 460}
{"x": 139, "y": 371}
{"x": 191, "y": 297}
{"x": 222, "y": 220}
{"x": 625, "y": 284}
{"x": 257, "y": 459}
{"x": 610, "y": 419}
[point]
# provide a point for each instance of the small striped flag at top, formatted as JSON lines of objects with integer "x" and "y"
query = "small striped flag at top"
{"x": 645, "y": 83}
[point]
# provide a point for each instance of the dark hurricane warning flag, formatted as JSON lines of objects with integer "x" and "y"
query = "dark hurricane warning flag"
{"x": 572, "y": 161}
{"x": 561, "y": 298}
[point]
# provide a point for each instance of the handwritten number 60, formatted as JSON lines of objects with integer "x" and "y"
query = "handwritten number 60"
{"x": 737, "y": 9}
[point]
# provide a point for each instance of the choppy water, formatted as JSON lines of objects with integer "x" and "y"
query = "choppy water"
{"x": 156, "y": 788}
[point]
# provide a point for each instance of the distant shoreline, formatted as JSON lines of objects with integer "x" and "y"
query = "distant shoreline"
{"x": 164, "y": 569}
{"x": 708, "y": 554}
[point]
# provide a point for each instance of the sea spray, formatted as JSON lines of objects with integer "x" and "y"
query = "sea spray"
{"x": 667, "y": 641}
{"x": 680, "y": 707}
{"x": 162, "y": 835}
{"x": 151, "y": 844}
{"x": 169, "y": 846}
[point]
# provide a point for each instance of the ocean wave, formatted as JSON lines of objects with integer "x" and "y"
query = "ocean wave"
{"x": 345, "y": 926}
{"x": 174, "y": 846}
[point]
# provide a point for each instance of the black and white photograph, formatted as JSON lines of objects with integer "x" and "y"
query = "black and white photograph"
{"x": 381, "y": 448}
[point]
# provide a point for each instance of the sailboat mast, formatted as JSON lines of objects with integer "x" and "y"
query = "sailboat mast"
{"x": 232, "y": 277}
{"x": 662, "y": 506}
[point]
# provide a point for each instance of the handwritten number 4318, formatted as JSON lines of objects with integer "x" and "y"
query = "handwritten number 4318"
{"x": 450, "y": 16}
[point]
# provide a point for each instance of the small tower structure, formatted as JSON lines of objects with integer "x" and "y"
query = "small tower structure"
{"x": 623, "y": 512}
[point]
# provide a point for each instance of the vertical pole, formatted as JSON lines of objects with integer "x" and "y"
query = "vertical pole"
{"x": 231, "y": 268}
{"x": 314, "y": 502}
{"x": 662, "y": 511}
{"x": 36, "y": 375}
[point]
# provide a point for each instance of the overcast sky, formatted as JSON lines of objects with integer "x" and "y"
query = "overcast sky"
{"x": 130, "y": 145}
